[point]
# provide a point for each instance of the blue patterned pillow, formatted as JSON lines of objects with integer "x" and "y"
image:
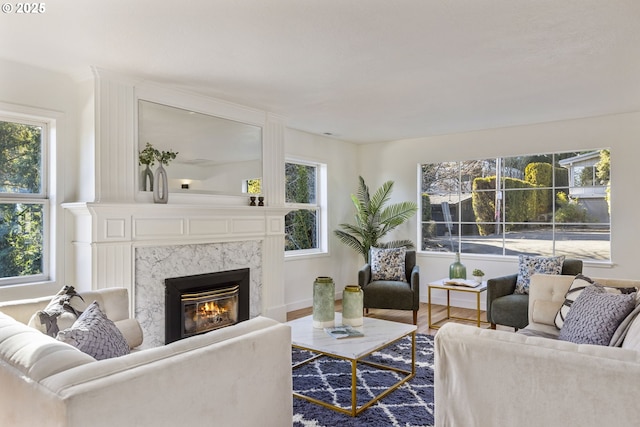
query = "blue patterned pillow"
{"x": 530, "y": 265}
{"x": 595, "y": 315}
{"x": 388, "y": 264}
{"x": 93, "y": 333}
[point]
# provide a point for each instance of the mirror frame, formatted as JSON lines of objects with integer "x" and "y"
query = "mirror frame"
{"x": 199, "y": 104}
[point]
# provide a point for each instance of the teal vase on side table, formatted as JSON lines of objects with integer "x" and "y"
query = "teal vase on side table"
{"x": 457, "y": 270}
{"x": 324, "y": 293}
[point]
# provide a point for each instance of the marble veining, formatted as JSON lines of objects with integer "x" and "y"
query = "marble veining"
{"x": 154, "y": 264}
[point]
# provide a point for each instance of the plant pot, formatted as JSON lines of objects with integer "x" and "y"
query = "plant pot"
{"x": 478, "y": 279}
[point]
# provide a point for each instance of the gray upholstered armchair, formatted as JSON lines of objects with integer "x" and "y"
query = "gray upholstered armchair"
{"x": 509, "y": 309}
{"x": 394, "y": 295}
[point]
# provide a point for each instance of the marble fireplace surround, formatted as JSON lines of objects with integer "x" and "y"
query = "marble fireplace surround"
{"x": 139, "y": 245}
{"x": 155, "y": 264}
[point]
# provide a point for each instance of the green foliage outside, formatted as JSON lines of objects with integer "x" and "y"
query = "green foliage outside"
{"x": 569, "y": 210}
{"x": 373, "y": 220}
{"x": 254, "y": 186}
{"x": 300, "y": 225}
{"x": 21, "y": 224}
{"x": 522, "y": 206}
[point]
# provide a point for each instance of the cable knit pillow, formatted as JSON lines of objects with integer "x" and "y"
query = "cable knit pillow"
{"x": 577, "y": 286}
{"x": 93, "y": 333}
{"x": 595, "y": 315}
{"x": 388, "y": 264}
{"x": 530, "y": 265}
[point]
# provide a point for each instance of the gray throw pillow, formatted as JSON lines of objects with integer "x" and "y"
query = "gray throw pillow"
{"x": 595, "y": 315}
{"x": 63, "y": 309}
{"x": 93, "y": 333}
{"x": 577, "y": 286}
{"x": 388, "y": 264}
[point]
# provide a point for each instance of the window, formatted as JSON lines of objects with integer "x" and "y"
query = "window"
{"x": 305, "y": 227}
{"x": 24, "y": 204}
{"x": 544, "y": 204}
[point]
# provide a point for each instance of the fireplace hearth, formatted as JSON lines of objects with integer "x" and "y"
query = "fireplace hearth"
{"x": 200, "y": 303}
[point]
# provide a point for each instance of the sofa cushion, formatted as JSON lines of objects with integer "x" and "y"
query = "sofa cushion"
{"x": 595, "y": 315}
{"x": 96, "y": 335}
{"x": 530, "y": 265}
{"x": 577, "y": 286}
{"x": 388, "y": 264}
{"x": 34, "y": 354}
{"x": 63, "y": 309}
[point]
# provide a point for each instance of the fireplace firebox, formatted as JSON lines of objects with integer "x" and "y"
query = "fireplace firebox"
{"x": 200, "y": 303}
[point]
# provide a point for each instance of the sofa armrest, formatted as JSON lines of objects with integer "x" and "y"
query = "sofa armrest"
{"x": 364, "y": 275}
{"x": 476, "y": 368}
{"x": 499, "y": 287}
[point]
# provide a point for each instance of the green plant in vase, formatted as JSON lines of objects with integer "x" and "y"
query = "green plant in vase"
{"x": 147, "y": 157}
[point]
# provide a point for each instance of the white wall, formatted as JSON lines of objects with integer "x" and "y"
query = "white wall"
{"x": 398, "y": 160}
{"x": 33, "y": 88}
{"x": 342, "y": 263}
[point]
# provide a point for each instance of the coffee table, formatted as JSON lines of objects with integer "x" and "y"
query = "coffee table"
{"x": 377, "y": 335}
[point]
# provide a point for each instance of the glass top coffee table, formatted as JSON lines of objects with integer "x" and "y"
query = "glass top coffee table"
{"x": 377, "y": 335}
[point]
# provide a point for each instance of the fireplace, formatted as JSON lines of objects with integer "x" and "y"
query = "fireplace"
{"x": 204, "y": 302}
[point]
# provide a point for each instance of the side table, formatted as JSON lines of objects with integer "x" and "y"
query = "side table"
{"x": 441, "y": 285}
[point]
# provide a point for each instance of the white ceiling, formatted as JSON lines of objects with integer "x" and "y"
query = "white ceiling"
{"x": 363, "y": 70}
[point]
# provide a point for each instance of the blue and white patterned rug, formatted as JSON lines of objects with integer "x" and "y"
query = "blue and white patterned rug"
{"x": 328, "y": 379}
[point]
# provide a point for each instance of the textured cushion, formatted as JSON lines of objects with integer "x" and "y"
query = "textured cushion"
{"x": 530, "y": 265}
{"x": 595, "y": 315}
{"x": 577, "y": 286}
{"x": 63, "y": 309}
{"x": 388, "y": 264}
{"x": 96, "y": 335}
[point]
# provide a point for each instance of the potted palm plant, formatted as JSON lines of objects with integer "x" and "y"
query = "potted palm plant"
{"x": 373, "y": 220}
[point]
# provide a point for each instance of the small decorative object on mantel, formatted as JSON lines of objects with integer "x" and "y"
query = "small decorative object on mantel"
{"x": 324, "y": 291}
{"x": 147, "y": 158}
{"x": 457, "y": 270}
{"x": 252, "y": 201}
{"x": 477, "y": 275}
{"x": 161, "y": 190}
{"x": 260, "y": 200}
{"x": 352, "y": 305}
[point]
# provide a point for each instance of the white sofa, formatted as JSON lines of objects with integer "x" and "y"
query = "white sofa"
{"x": 490, "y": 378}
{"x": 238, "y": 375}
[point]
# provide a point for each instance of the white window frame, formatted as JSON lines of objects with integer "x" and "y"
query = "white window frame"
{"x": 35, "y": 117}
{"x": 320, "y": 207}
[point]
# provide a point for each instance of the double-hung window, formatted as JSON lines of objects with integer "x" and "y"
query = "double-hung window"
{"x": 24, "y": 203}
{"x": 541, "y": 204}
{"x": 305, "y": 225}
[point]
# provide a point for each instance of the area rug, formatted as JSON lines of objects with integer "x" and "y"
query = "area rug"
{"x": 329, "y": 379}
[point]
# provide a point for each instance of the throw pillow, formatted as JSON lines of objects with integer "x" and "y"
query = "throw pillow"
{"x": 530, "y": 265}
{"x": 577, "y": 286}
{"x": 63, "y": 309}
{"x": 595, "y": 315}
{"x": 388, "y": 264}
{"x": 93, "y": 333}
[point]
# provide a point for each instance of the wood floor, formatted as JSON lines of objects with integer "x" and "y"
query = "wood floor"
{"x": 437, "y": 312}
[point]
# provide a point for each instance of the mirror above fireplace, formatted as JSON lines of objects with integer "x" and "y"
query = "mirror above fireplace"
{"x": 215, "y": 155}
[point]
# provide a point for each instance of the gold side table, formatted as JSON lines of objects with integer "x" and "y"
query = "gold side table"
{"x": 442, "y": 285}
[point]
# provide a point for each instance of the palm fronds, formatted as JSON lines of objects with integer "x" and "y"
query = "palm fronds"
{"x": 373, "y": 220}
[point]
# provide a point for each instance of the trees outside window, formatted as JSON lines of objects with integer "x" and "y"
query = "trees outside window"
{"x": 303, "y": 225}
{"x": 23, "y": 200}
{"x": 542, "y": 204}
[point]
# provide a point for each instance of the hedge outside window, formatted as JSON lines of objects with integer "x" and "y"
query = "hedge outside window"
{"x": 543, "y": 204}
{"x": 302, "y": 225}
{"x": 23, "y": 200}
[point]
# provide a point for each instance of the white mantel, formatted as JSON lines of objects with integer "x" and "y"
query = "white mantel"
{"x": 107, "y": 234}
{"x": 112, "y": 218}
